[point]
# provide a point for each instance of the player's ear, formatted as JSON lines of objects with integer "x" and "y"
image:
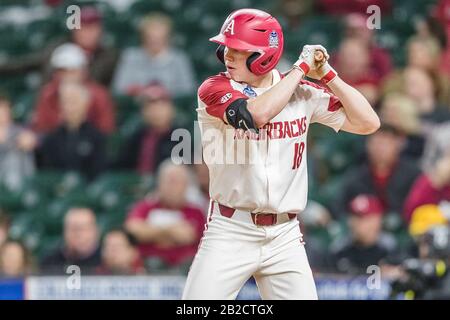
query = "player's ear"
{"x": 220, "y": 52}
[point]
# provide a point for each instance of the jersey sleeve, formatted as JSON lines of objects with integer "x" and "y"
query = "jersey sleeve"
{"x": 216, "y": 93}
{"x": 328, "y": 108}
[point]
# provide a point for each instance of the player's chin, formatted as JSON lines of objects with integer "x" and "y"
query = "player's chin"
{"x": 236, "y": 75}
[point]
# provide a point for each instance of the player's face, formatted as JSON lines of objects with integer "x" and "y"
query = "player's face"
{"x": 236, "y": 63}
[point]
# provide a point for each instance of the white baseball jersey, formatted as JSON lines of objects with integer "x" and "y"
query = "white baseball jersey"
{"x": 265, "y": 172}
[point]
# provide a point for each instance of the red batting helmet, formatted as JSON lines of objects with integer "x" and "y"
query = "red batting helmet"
{"x": 252, "y": 30}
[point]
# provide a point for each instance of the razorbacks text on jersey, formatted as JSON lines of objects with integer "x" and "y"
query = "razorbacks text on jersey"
{"x": 271, "y": 176}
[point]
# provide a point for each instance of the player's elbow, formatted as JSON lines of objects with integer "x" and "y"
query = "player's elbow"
{"x": 259, "y": 116}
{"x": 374, "y": 124}
{"x": 370, "y": 125}
{"x": 260, "y": 119}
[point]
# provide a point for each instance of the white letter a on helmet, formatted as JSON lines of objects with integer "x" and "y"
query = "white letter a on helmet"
{"x": 230, "y": 27}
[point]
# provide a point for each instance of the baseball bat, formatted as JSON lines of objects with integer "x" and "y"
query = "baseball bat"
{"x": 318, "y": 55}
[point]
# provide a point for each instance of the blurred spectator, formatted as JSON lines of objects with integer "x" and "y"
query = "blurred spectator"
{"x": 366, "y": 245}
{"x": 76, "y": 144}
{"x": 442, "y": 13}
{"x": 437, "y": 144}
{"x": 70, "y": 64}
{"x": 294, "y": 11}
{"x": 419, "y": 86}
{"x": 16, "y": 148}
{"x": 80, "y": 246}
{"x": 342, "y": 7}
{"x": 4, "y": 226}
{"x": 401, "y": 111}
{"x": 353, "y": 63}
{"x": 380, "y": 59}
{"x": 155, "y": 60}
{"x": 120, "y": 255}
{"x": 15, "y": 260}
{"x": 316, "y": 219}
{"x": 384, "y": 174}
{"x": 430, "y": 27}
{"x": 432, "y": 187}
{"x": 101, "y": 58}
{"x": 151, "y": 143}
{"x": 168, "y": 228}
{"x": 427, "y": 216}
{"x": 198, "y": 193}
{"x": 425, "y": 53}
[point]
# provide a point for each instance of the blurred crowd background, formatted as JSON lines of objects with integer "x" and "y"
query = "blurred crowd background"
{"x": 86, "y": 117}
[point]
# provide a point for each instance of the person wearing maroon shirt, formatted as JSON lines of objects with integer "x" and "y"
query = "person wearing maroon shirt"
{"x": 380, "y": 59}
{"x": 70, "y": 64}
{"x": 167, "y": 227}
{"x": 354, "y": 64}
{"x": 384, "y": 174}
{"x": 442, "y": 13}
{"x": 430, "y": 188}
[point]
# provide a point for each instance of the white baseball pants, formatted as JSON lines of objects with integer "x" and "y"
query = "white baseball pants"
{"x": 234, "y": 249}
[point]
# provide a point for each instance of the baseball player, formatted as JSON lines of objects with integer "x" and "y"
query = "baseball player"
{"x": 252, "y": 227}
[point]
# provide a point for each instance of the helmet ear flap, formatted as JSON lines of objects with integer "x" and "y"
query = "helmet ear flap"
{"x": 220, "y": 52}
{"x": 252, "y": 58}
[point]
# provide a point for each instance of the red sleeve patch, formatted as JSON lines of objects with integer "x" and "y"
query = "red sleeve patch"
{"x": 334, "y": 103}
{"x": 217, "y": 94}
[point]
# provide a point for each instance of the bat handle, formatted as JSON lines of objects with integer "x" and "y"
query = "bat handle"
{"x": 318, "y": 55}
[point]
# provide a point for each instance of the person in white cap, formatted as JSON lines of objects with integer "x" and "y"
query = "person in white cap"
{"x": 69, "y": 63}
{"x": 68, "y": 56}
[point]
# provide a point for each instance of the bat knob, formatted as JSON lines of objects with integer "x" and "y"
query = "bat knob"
{"x": 318, "y": 55}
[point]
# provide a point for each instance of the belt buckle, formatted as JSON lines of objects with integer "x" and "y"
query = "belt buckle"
{"x": 256, "y": 218}
{"x": 274, "y": 221}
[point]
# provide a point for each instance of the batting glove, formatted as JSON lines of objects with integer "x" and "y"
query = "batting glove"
{"x": 323, "y": 72}
{"x": 306, "y": 61}
{"x": 316, "y": 69}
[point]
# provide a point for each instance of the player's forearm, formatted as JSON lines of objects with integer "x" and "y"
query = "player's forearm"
{"x": 265, "y": 107}
{"x": 359, "y": 112}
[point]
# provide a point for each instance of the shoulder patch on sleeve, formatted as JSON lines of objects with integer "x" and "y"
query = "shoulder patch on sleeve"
{"x": 217, "y": 94}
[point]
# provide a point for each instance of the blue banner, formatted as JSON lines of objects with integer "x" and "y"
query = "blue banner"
{"x": 12, "y": 289}
{"x": 169, "y": 287}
